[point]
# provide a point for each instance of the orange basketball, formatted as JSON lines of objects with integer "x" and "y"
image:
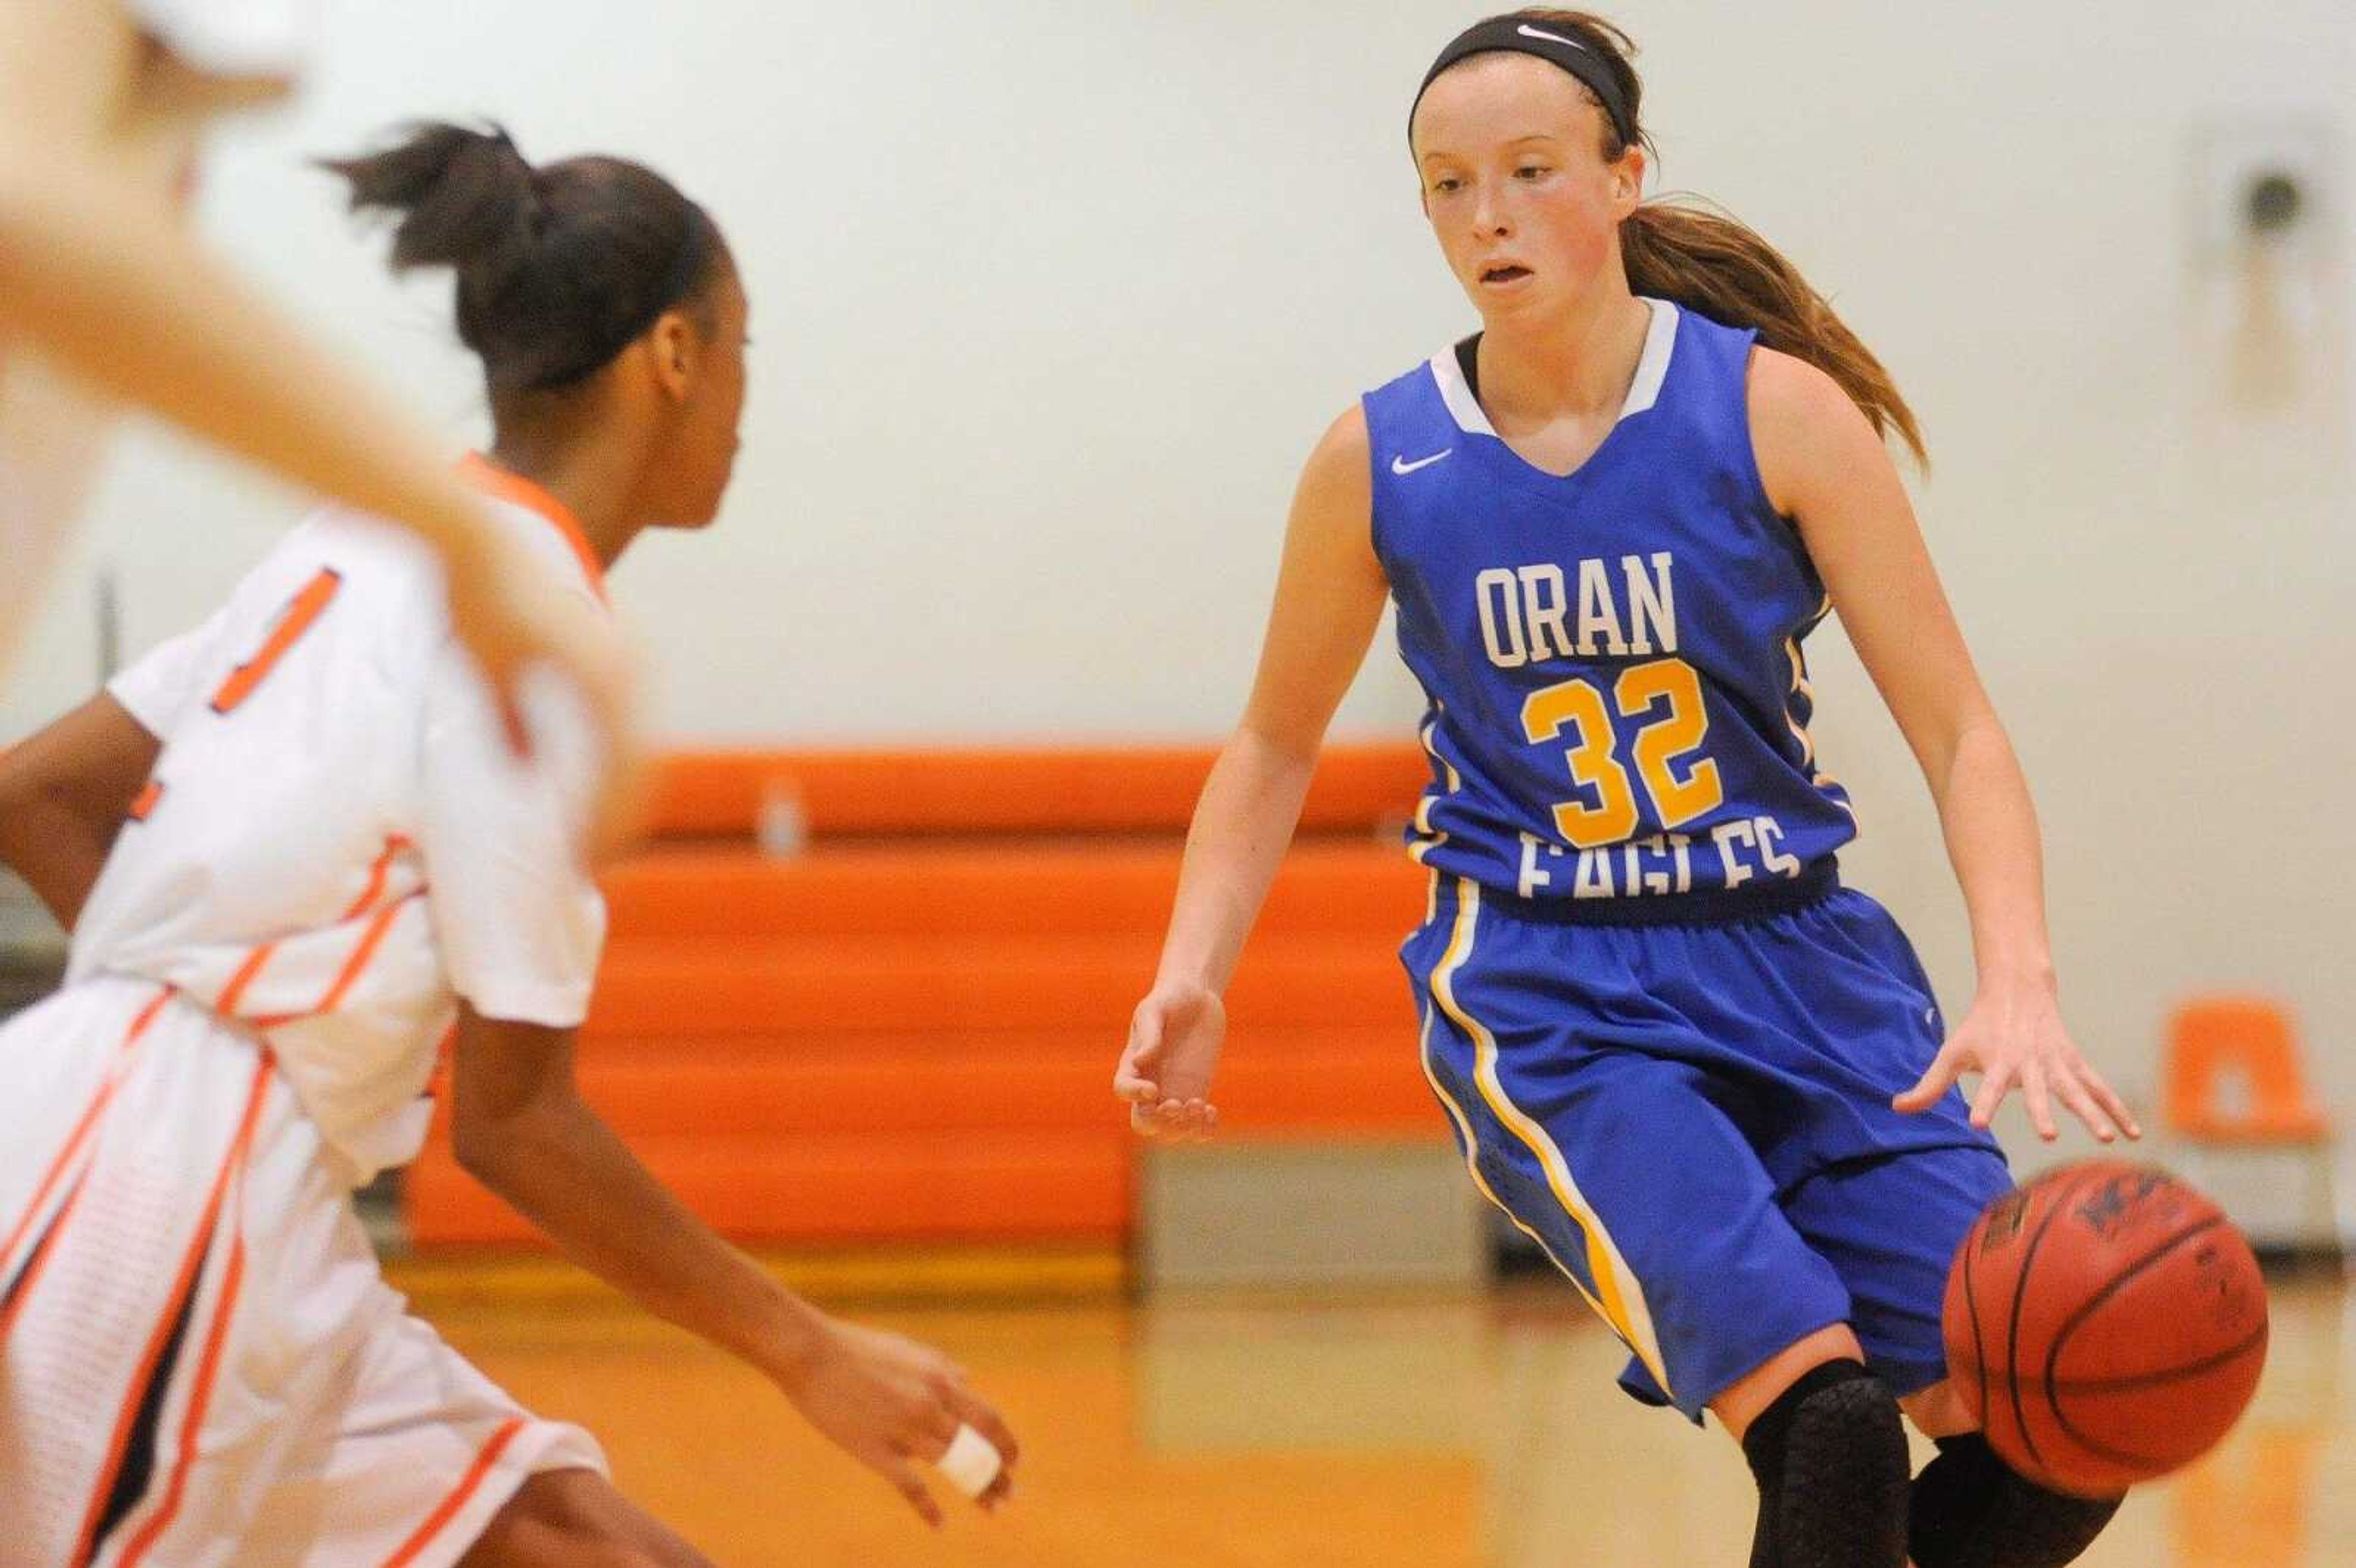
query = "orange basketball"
{"x": 2106, "y": 1323}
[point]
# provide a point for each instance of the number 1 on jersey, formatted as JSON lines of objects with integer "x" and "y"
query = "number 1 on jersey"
{"x": 1577, "y": 706}
{"x": 305, "y": 607}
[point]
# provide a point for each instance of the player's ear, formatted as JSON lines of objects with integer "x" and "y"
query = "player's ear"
{"x": 675, "y": 346}
{"x": 1628, "y": 180}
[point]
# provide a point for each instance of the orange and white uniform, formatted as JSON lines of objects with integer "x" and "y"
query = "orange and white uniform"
{"x": 199, "y": 1361}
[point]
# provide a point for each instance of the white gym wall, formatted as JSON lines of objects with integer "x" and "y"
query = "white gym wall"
{"x": 1051, "y": 298}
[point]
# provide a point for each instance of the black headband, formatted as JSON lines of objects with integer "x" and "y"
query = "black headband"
{"x": 1515, "y": 34}
{"x": 686, "y": 270}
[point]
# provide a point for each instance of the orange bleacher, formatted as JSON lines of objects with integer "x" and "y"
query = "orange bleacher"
{"x": 906, "y": 1033}
{"x": 1007, "y": 790}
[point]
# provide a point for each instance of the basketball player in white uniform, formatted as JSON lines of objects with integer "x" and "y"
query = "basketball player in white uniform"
{"x": 316, "y": 850}
{"x": 104, "y": 296}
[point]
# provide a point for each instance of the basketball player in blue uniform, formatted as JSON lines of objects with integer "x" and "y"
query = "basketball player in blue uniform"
{"x": 1709, "y": 1080}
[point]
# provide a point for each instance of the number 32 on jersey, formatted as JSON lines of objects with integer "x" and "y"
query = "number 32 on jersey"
{"x": 1668, "y": 694}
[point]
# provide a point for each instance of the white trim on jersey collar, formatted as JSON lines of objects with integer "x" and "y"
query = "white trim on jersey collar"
{"x": 1652, "y": 365}
{"x": 1643, "y": 390}
{"x": 1459, "y": 396}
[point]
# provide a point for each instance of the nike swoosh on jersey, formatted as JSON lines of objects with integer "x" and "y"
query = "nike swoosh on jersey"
{"x": 1399, "y": 465}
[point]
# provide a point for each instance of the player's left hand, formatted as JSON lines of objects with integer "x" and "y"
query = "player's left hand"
{"x": 2013, "y": 1038}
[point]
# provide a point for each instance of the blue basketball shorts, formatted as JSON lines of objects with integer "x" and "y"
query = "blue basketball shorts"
{"x": 1694, "y": 1122}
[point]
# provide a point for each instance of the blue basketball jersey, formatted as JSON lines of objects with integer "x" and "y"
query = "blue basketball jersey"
{"x": 1618, "y": 703}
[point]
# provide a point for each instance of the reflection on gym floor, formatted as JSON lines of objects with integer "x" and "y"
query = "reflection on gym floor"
{"x": 1479, "y": 1433}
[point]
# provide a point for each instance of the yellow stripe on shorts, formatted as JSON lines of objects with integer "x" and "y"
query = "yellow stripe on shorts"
{"x": 1623, "y": 1303}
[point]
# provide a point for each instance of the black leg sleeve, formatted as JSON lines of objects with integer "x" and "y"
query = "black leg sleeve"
{"x": 1830, "y": 1459}
{"x": 1973, "y": 1510}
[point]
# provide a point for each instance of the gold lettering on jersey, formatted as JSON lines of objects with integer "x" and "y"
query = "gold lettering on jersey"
{"x": 1530, "y": 614}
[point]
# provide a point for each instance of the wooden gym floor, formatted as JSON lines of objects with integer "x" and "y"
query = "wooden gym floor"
{"x": 1476, "y": 1433}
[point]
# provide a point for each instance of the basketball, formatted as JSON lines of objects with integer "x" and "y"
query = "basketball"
{"x": 1232, "y": 823}
{"x": 2106, "y": 1323}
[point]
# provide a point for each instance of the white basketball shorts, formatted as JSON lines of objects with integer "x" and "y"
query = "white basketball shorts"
{"x": 199, "y": 1361}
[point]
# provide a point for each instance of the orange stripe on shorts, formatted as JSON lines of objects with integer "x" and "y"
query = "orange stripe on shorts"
{"x": 178, "y": 1299}
{"x": 437, "y": 1521}
{"x": 43, "y": 1251}
{"x": 81, "y": 1129}
{"x": 192, "y": 1422}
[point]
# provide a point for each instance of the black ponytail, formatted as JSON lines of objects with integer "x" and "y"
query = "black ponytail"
{"x": 464, "y": 198}
{"x": 558, "y": 269}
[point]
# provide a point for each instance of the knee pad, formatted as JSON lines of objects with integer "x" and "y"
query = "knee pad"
{"x": 1971, "y": 1509}
{"x": 1830, "y": 1459}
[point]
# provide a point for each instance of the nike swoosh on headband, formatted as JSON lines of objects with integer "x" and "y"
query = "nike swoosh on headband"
{"x": 1530, "y": 32}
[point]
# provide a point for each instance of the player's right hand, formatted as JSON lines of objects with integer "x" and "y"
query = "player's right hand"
{"x": 891, "y": 1404}
{"x": 1165, "y": 1070}
{"x": 510, "y": 618}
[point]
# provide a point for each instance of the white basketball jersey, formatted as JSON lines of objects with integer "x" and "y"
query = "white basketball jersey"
{"x": 338, "y": 841}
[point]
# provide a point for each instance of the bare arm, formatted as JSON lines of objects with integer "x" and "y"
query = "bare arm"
{"x": 114, "y": 290}
{"x": 64, "y": 795}
{"x": 95, "y": 270}
{"x": 1328, "y": 598}
{"x": 522, "y": 1130}
{"x": 1824, "y": 467}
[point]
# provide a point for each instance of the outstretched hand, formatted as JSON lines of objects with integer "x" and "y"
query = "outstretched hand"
{"x": 1165, "y": 1070}
{"x": 2013, "y": 1038}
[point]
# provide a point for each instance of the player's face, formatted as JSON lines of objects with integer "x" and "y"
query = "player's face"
{"x": 701, "y": 455}
{"x": 1526, "y": 207}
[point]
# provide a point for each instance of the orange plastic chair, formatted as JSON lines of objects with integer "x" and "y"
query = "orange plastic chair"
{"x": 2212, "y": 1040}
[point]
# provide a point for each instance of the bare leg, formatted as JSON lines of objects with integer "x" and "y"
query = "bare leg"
{"x": 1939, "y": 1411}
{"x": 575, "y": 1519}
{"x": 1740, "y": 1406}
